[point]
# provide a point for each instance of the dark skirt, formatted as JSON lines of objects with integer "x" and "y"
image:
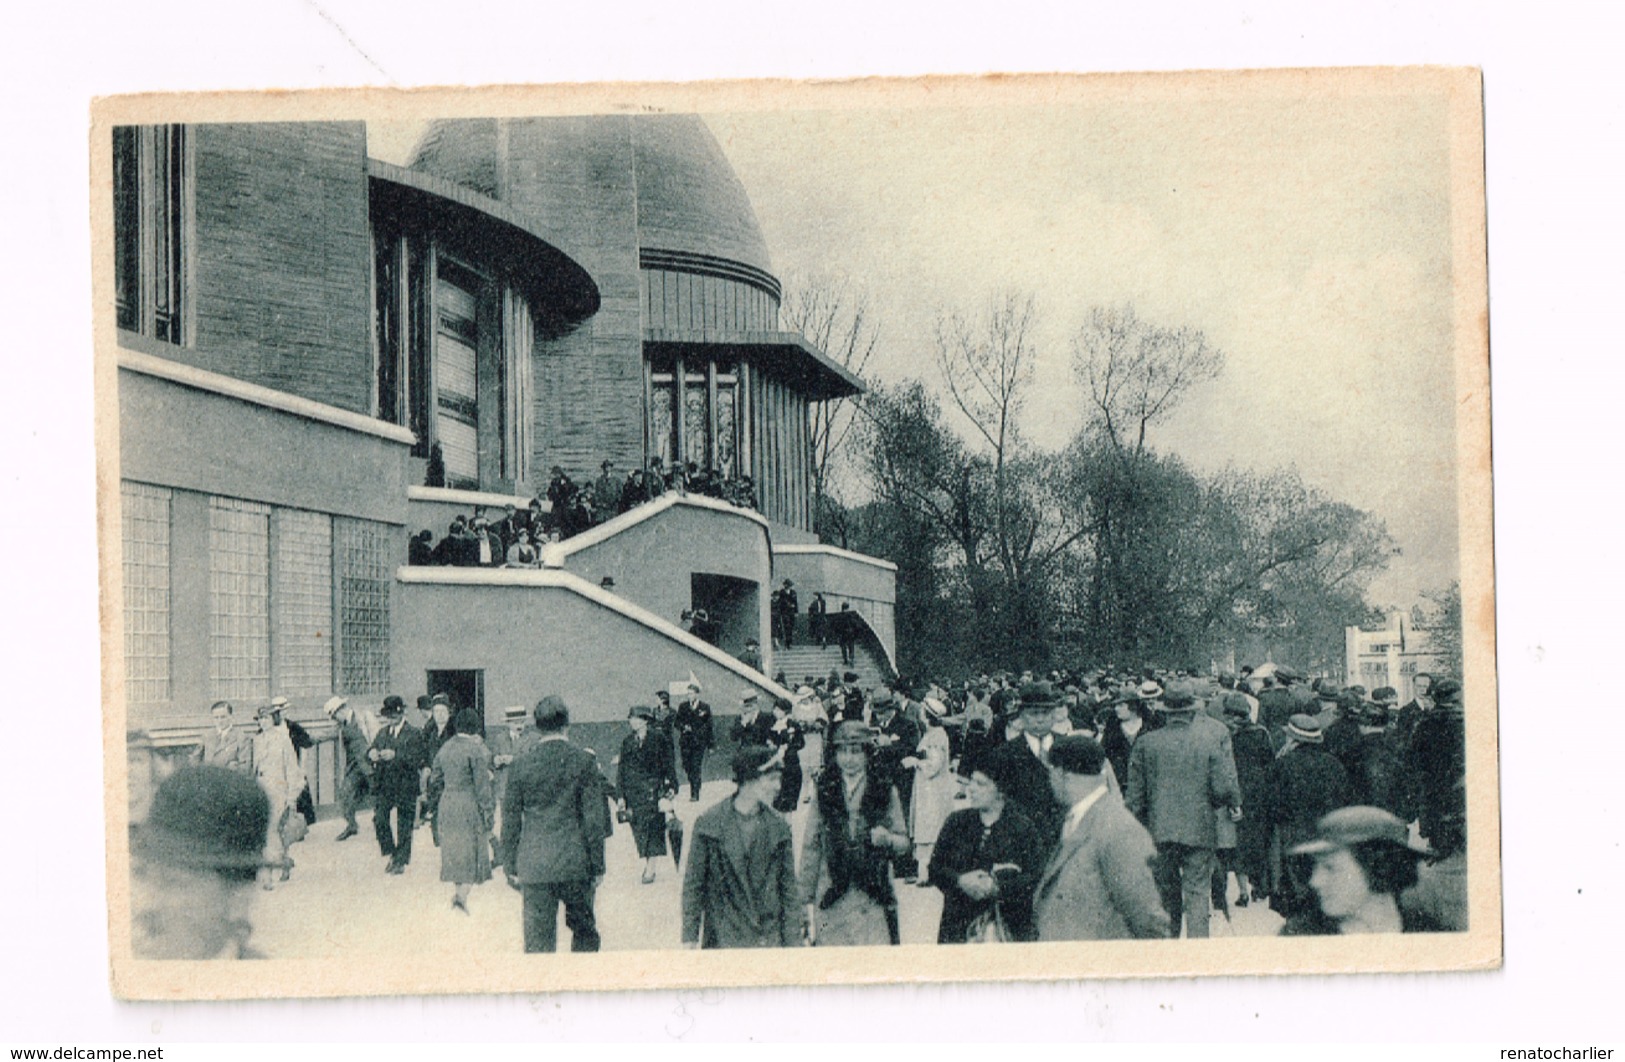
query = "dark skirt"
{"x": 649, "y": 831}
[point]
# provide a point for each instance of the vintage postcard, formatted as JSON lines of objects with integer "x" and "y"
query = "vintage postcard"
{"x": 772, "y": 533}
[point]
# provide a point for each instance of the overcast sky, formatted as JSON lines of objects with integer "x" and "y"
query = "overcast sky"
{"x": 1309, "y": 239}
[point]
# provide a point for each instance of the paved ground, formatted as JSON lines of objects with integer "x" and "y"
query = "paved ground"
{"x": 340, "y": 902}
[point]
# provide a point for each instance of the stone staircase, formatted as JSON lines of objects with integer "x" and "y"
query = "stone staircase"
{"x": 805, "y": 658}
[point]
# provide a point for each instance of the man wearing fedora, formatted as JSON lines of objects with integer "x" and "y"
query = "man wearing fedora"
{"x": 1180, "y": 777}
{"x": 694, "y": 735}
{"x": 192, "y": 862}
{"x": 606, "y": 490}
{"x": 356, "y": 781}
{"x": 398, "y": 755}
{"x": 1024, "y": 759}
{"x": 553, "y": 831}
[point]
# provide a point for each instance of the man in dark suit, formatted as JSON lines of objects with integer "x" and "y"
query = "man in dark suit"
{"x": 397, "y": 755}
{"x": 553, "y": 832}
{"x": 694, "y": 736}
{"x": 754, "y": 726}
{"x": 1024, "y": 760}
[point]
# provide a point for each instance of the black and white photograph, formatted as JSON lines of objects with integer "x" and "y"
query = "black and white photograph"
{"x": 958, "y": 529}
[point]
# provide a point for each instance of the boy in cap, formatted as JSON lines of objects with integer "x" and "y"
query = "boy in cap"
{"x": 357, "y": 777}
{"x": 740, "y": 890}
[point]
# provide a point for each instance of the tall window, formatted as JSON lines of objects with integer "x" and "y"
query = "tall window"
{"x": 146, "y": 593}
{"x": 702, "y": 425}
{"x": 453, "y": 348}
{"x": 149, "y": 229}
{"x": 239, "y": 599}
{"x": 456, "y": 373}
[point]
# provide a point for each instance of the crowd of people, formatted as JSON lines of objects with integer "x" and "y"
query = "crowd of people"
{"x": 1059, "y": 807}
{"x": 517, "y": 538}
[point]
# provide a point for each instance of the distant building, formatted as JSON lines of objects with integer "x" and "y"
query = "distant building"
{"x": 300, "y": 327}
{"x": 1391, "y": 656}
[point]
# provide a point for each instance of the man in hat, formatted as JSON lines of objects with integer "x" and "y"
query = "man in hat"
{"x": 752, "y": 656}
{"x": 740, "y": 890}
{"x": 507, "y": 743}
{"x": 1024, "y": 760}
{"x": 754, "y": 726}
{"x": 301, "y": 740}
{"x": 817, "y": 612}
{"x": 1437, "y": 764}
{"x": 398, "y": 757}
{"x": 1098, "y": 883}
{"x": 192, "y": 862}
{"x": 896, "y": 736}
{"x": 553, "y": 831}
{"x": 788, "y": 609}
{"x": 1308, "y": 783}
{"x": 224, "y": 745}
{"x": 694, "y": 735}
{"x": 606, "y": 490}
{"x": 1179, "y": 777}
{"x": 356, "y": 781}
{"x": 1275, "y": 704}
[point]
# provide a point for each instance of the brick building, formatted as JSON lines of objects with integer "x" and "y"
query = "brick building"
{"x": 300, "y": 326}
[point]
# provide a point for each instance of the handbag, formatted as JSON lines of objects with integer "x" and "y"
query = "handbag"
{"x": 988, "y": 928}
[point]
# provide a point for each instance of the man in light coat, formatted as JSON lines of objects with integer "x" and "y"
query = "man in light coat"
{"x": 553, "y": 831}
{"x": 1098, "y": 883}
{"x": 1179, "y": 778}
{"x": 356, "y": 782}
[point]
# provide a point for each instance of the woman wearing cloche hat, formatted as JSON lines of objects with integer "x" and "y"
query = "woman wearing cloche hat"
{"x": 1363, "y": 859}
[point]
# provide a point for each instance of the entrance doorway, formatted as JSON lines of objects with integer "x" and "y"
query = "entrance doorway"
{"x": 731, "y": 604}
{"x": 464, "y": 689}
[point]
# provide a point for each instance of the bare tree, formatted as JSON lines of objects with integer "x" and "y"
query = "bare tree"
{"x": 1137, "y": 372}
{"x": 833, "y": 316}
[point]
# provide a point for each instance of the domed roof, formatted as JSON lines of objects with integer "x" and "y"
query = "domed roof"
{"x": 688, "y": 198}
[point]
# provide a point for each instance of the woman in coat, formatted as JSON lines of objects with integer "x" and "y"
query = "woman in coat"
{"x": 1131, "y": 719}
{"x": 1255, "y": 762}
{"x": 437, "y": 730}
{"x": 467, "y": 808}
{"x": 933, "y": 796}
{"x": 988, "y": 855}
{"x": 854, "y": 830}
{"x": 277, "y": 770}
{"x": 645, "y": 776}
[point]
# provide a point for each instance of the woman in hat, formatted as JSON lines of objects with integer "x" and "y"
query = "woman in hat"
{"x": 645, "y": 778}
{"x": 934, "y": 788}
{"x": 1307, "y": 783}
{"x": 277, "y": 770}
{"x": 740, "y": 887}
{"x": 1131, "y": 717}
{"x": 437, "y": 730}
{"x": 1363, "y": 860}
{"x": 191, "y": 864}
{"x": 987, "y": 857}
{"x": 1255, "y": 759}
{"x": 854, "y": 830}
{"x": 467, "y": 807}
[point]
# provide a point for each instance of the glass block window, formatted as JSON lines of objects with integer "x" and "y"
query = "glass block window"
{"x": 302, "y": 602}
{"x": 146, "y": 594}
{"x": 362, "y": 551}
{"x": 239, "y": 599}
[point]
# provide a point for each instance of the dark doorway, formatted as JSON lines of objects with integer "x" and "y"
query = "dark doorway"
{"x": 730, "y": 604}
{"x": 464, "y": 689}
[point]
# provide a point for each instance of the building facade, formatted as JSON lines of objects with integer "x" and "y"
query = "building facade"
{"x": 308, "y": 336}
